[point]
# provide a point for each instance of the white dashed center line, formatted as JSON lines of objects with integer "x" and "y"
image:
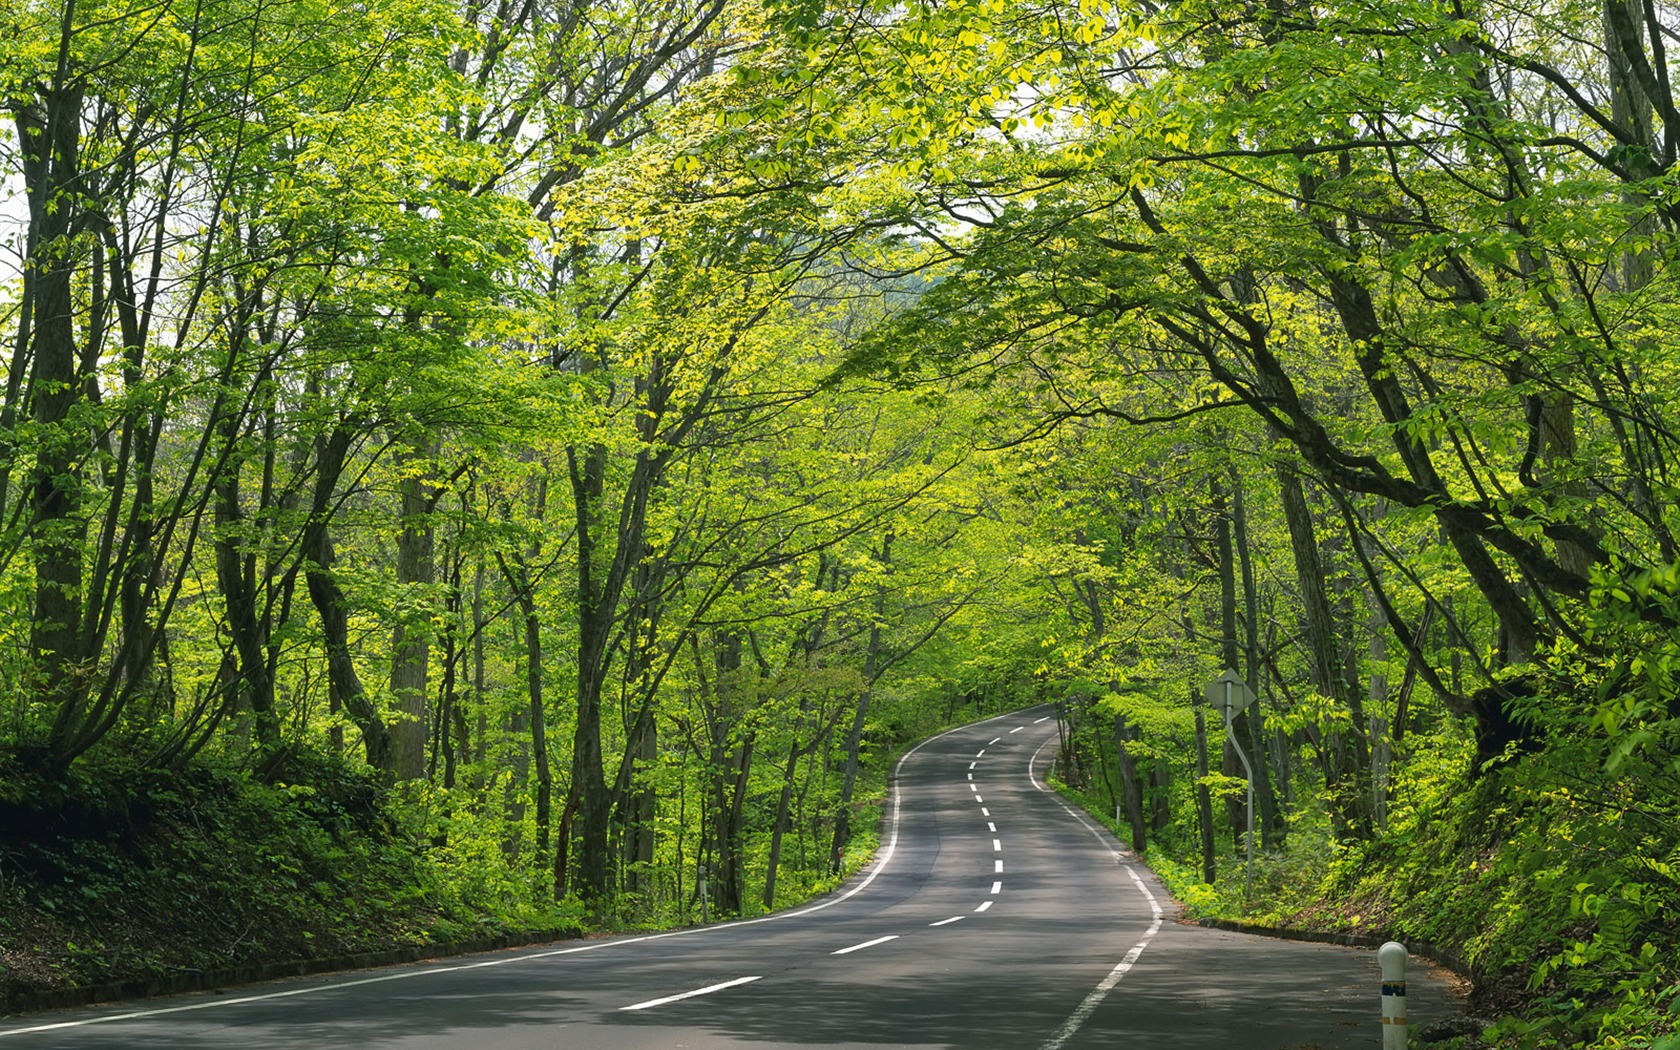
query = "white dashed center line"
{"x": 995, "y": 739}
{"x": 982, "y": 753}
{"x": 1017, "y": 729}
{"x": 947, "y": 922}
{"x": 991, "y": 827}
{"x": 866, "y": 944}
{"x": 997, "y": 867}
{"x": 984, "y": 812}
{"x": 977, "y": 797}
{"x": 689, "y": 995}
{"x": 997, "y": 844}
{"x": 1036, "y": 721}
{"x": 984, "y": 905}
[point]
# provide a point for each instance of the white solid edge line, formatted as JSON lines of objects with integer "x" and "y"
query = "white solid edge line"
{"x": 689, "y": 995}
{"x": 879, "y": 865}
{"x": 1097, "y": 833}
{"x": 1154, "y": 905}
{"x": 947, "y": 922}
{"x": 866, "y": 944}
{"x": 984, "y": 905}
{"x": 1100, "y": 992}
{"x": 1084, "y": 1010}
{"x": 1031, "y": 775}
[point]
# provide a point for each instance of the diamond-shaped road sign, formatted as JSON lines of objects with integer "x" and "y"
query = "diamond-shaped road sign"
{"x": 1239, "y": 694}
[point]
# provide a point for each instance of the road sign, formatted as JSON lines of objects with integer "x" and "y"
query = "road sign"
{"x": 1229, "y": 694}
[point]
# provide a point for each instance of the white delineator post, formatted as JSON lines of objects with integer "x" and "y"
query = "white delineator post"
{"x": 1391, "y": 958}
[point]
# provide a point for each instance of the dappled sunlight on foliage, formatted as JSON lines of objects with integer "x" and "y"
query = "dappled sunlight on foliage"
{"x": 485, "y": 470}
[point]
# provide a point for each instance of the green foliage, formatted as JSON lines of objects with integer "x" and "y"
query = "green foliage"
{"x": 639, "y": 468}
{"x": 1548, "y": 871}
{"x": 119, "y": 873}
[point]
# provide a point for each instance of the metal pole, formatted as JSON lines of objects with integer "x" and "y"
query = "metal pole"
{"x": 1391, "y": 959}
{"x": 1231, "y": 735}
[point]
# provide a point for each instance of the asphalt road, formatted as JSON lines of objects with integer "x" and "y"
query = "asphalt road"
{"x": 994, "y": 918}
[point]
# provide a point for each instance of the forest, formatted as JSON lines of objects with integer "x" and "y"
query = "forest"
{"x": 470, "y": 466}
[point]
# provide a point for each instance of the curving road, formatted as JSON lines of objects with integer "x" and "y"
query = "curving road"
{"x": 994, "y": 918}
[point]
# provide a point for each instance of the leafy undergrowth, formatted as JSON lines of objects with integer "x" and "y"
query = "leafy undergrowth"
{"x": 115, "y": 873}
{"x": 1553, "y": 883}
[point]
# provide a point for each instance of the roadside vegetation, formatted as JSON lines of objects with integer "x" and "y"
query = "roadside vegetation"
{"x": 469, "y": 468}
{"x": 121, "y": 877}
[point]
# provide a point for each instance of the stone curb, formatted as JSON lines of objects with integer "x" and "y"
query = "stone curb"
{"x": 24, "y": 1001}
{"x": 1433, "y": 953}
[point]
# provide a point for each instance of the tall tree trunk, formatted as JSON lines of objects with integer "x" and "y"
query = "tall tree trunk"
{"x": 1204, "y": 799}
{"x": 451, "y": 720}
{"x": 635, "y": 800}
{"x": 519, "y": 581}
{"x": 1382, "y": 749}
{"x": 1131, "y": 785}
{"x": 1160, "y": 797}
{"x": 235, "y": 578}
{"x": 644, "y": 808}
{"x": 513, "y": 797}
{"x": 1236, "y": 806}
{"x": 597, "y": 606}
{"x": 848, "y": 776}
{"x": 733, "y": 766}
{"x": 141, "y": 576}
{"x": 784, "y": 804}
{"x": 1631, "y": 109}
{"x": 479, "y": 626}
{"x": 539, "y": 718}
{"x": 729, "y": 763}
{"x": 344, "y": 686}
{"x": 854, "y": 738}
{"x": 1357, "y": 742}
{"x": 1350, "y": 790}
{"x": 1251, "y": 723}
{"x": 49, "y": 133}
{"x": 411, "y": 635}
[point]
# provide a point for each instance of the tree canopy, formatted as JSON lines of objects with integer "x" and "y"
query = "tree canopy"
{"x": 611, "y": 427}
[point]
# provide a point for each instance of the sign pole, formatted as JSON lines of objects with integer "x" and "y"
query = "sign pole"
{"x": 1231, "y": 735}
